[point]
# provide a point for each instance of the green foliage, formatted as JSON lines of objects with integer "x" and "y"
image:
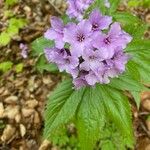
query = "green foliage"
{"x": 14, "y": 24}
{"x": 101, "y": 113}
{"x": 5, "y": 66}
{"x": 10, "y": 2}
{"x": 111, "y": 139}
{"x": 42, "y": 65}
{"x": 39, "y": 44}
{"x": 64, "y": 139}
{"x": 38, "y": 50}
{"x": 90, "y": 107}
{"x": 68, "y": 102}
{"x": 19, "y": 67}
{"x": 137, "y": 3}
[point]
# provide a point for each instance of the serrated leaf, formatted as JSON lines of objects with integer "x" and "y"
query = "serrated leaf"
{"x": 39, "y": 44}
{"x": 139, "y": 46}
{"x": 137, "y": 98}
{"x": 90, "y": 118}
{"x": 118, "y": 110}
{"x": 126, "y": 18}
{"x": 143, "y": 66}
{"x": 126, "y": 82}
{"x": 132, "y": 70}
{"x": 136, "y": 30}
{"x": 67, "y": 109}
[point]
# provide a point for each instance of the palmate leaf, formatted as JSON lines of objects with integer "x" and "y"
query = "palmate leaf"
{"x": 140, "y": 52}
{"x": 118, "y": 110}
{"x": 61, "y": 107}
{"x": 126, "y": 18}
{"x": 90, "y": 118}
{"x": 91, "y": 107}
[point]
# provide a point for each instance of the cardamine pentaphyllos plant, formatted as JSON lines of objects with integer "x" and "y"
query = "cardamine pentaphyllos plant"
{"x": 105, "y": 54}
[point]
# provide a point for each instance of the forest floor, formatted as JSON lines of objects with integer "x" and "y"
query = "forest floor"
{"x": 23, "y": 94}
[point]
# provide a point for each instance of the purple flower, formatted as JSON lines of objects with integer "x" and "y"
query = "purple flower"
{"x": 56, "y": 32}
{"x": 76, "y": 8}
{"x": 24, "y": 50}
{"x": 98, "y": 21}
{"x": 116, "y": 65}
{"x": 108, "y": 42}
{"x": 80, "y": 80}
{"x": 78, "y": 36}
{"x": 92, "y": 59}
{"x": 63, "y": 59}
{"x": 55, "y": 55}
{"x": 92, "y": 55}
{"x": 91, "y": 78}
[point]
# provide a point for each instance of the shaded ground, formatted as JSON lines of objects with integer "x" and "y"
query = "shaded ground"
{"x": 23, "y": 95}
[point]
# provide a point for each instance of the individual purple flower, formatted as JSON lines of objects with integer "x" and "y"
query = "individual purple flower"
{"x": 56, "y": 32}
{"x": 108, "y": 42}
{"x": 116, "y": 65}
{"x": 24, "y": 50}
{"x": 63, "y": 59}
{"x": 98, "y": 21}
{"x": 91, "y": 78}
{"x": 80, "y": 81}
{"x": 76, "y": 8}
{"x": 92, "y": 59}
{"x": 78, "y": 36}
{"x": 73, "y": 11}
{"x": 55, "y": 55}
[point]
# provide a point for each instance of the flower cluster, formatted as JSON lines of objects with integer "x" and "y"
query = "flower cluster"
{"x": 90, "y": 50}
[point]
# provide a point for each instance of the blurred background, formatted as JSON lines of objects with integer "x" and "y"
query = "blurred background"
{"x": 24, "y": 85}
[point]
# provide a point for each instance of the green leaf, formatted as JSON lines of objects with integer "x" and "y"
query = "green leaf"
{"x": 143, "y": 66}
{"x": 125, "y": 82}
{"x": 42, "y": 65}
{"x": 68, "y": 101}
{"x": 138, "y": 47}
{"x": 118, "y": 110}
{"x": 108, "y": 145}
{"x": 11, "y": 2}
{"x": 5, "y": 66}
{"x": 137, "y": 98}
{"x": 12, "y": 30}
{"x": 136, "y": 30}
{"x": 126, "y": 18}
{"x": 90, "y": 118}
{"x": 113, "y": 5}
{"x": 4, "y": 38}
{"x": 39, "y": 44}
{"x": 132, "y": 70}
{"x": 18, "y": 23}
{"x": 19, "y": 67}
